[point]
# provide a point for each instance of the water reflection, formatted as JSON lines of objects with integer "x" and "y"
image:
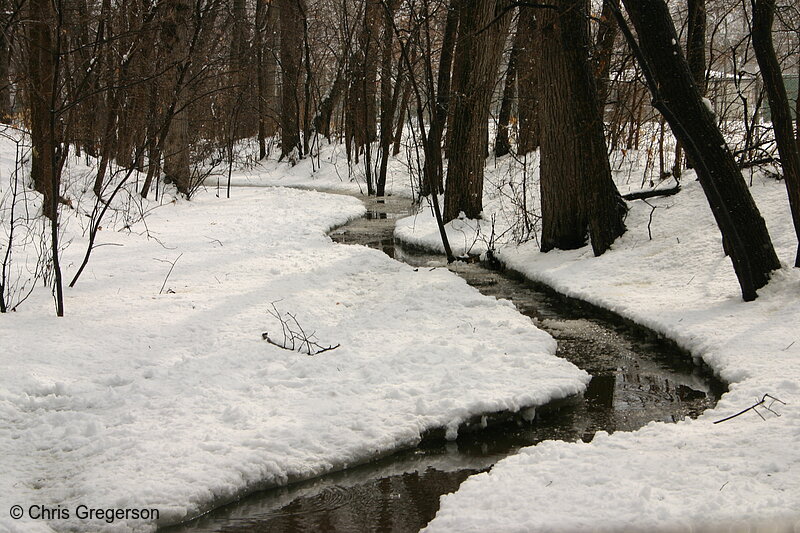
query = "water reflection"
{"x": 635, "y": 379}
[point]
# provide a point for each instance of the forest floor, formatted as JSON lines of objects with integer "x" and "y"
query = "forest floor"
{"x": 156, "y": 390}
{"x": 668, "y": 273}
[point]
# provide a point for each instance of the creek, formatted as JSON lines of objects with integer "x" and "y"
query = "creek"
{"x": 636, "y": 378}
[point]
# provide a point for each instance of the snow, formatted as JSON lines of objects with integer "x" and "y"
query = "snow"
{"x": 173, "y": 400}
{"x": 740, "y": 475}
{"x": 169, "y": 399}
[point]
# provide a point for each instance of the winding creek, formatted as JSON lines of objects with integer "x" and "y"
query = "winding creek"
{"x": 636, "y": 378}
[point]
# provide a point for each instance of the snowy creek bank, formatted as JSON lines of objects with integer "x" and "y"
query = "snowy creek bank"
{"x": 636, "y": 378}
{"x": 156, "y": 393}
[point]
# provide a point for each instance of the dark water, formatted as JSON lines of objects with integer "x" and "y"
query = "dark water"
{"x": 636, "y": 378}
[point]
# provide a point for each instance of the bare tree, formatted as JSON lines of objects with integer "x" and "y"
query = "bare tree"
{"x": 677, "y": 97}
{"x": 763, "y": 16}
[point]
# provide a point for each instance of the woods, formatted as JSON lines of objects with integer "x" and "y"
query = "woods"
{"x": 165, "y": 93}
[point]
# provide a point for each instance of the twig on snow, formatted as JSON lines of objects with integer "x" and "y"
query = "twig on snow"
{"x": 172, "y": 263}
{"x": 755, "y": 406}
{"x": 295, "y": 338}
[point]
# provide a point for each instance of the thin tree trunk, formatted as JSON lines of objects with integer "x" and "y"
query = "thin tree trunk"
{"x": 175, "y": 34}
{"x": 389, "y": 98}
{"x": 322, "y": 122}
{"x": 696, "y": 43}
{"x": 502, "y": 144}
{"x": 291, "y": 29}
{"x": 527, "y": 82}
{"x": 433, "y": 160}
{"x": 677, "y": 97}
{"x": 5, "y": 61}
{"x": 763, "y": 15}
{"x": 398, "y": 132}
{"x": 40, "y": 94}
{"x": 603, "y": 52}
{"x": 262, "y": 8}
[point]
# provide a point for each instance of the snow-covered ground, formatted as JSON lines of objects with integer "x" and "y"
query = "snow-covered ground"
{"x": 739, "y": 475}
{"x": 157, "y": 391}
{"x": 170, "y": 399}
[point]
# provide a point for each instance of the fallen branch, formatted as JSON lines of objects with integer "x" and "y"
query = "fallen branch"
{"x": 295, "y": 339}
{"x": 643, "y": 195}
{"x": 754, "y": 408}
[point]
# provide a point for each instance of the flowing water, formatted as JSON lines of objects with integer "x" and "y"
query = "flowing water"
{"x": 636, "y": 378}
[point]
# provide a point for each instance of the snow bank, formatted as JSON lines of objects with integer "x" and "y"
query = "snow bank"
{"x": 169, "y": 399}
{"x": 692, "y": 475}
{"x": 329, "y": 172}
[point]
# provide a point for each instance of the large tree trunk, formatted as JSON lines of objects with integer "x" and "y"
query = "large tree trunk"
{"x": 763, "y": 15}
{"x": 527, "y": 82}
{"x": 476, "y": 58}
{"x": 291, "y": 58}
{"x": 677, "y": 97}
{"x": 578, "y": 194}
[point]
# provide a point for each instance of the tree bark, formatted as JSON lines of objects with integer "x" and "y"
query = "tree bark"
{"x": 175, "y": 34}
{"x": 696, "y": 43}
{"x": 389, "y": 95}
{"x": 433, "y": 162}
{"x": 763, "y": 15}
{"x": 5, "y": 62}
{"x": 476, "y": 57}
{"x": 603, "y": 52}
{"x": 527, "y": 82}
{"x": 291, "y": 14}
{"x": 502, "y": 144}
{"x": 579, "y": 197}
{"x": 41, "y": 67}
{"x": 676, "y": 96}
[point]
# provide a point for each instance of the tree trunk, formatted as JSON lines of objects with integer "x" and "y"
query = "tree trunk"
{"x": 389, "y": 96}
{"x": 696, "y": 43}
{"x": 603, "y": 52}
{"x": 259, "y": 36}
{"x": 502, "y": 145}
{"x": 763, "y": 15}
{"x": 41, "y": 68}
{"x": 5, "y": 61}
{"x": 677, "y": 97}
{"x": 291, "y": 14}
{"x": 578, "y": 193}
{"x": 433, "y": 162}
{"x": 527, "y": 82}
{"x": 398, "y": 132}
{"x": 175, "y": 34}
{"x": 322, "y": 122}
{"x": 475, "y": 67}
